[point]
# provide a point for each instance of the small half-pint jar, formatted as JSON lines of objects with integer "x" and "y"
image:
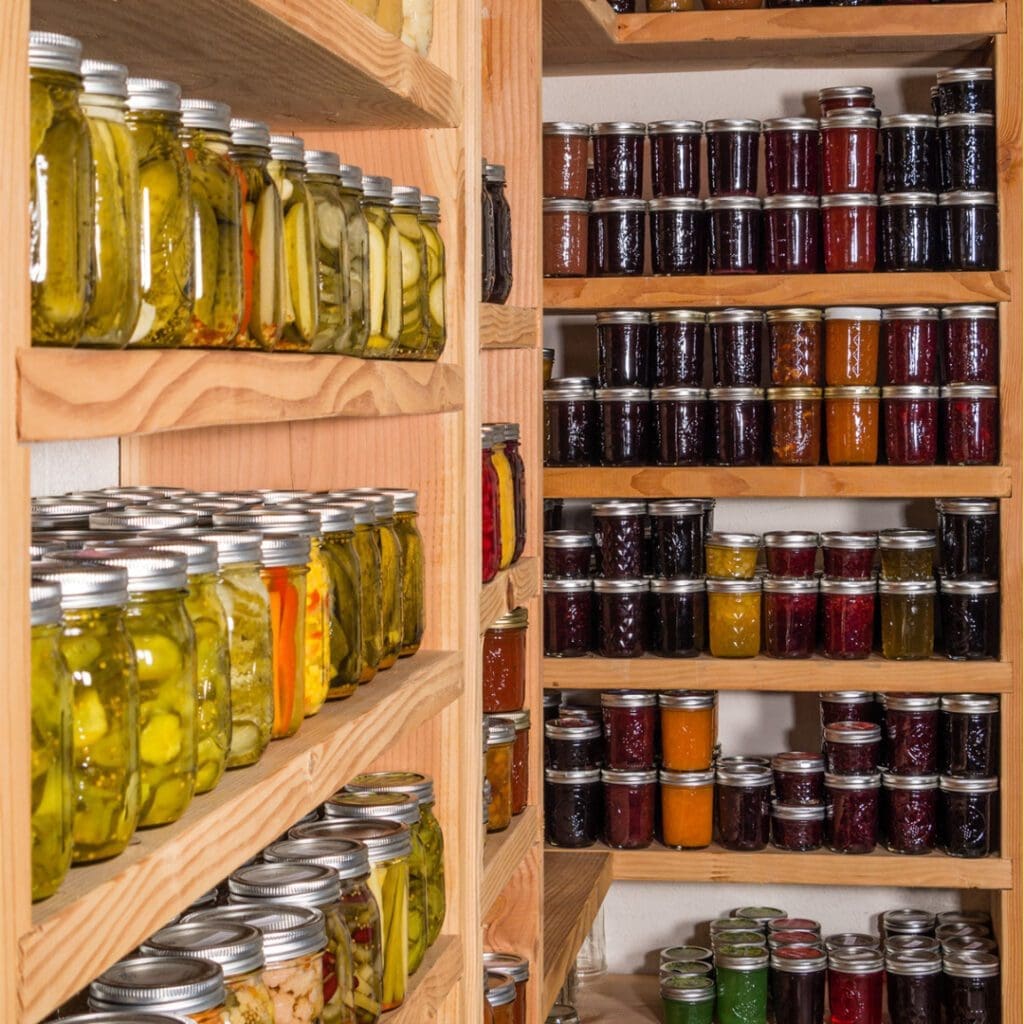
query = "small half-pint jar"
{"x": 791, "y": 553}
{"x": 852, "y": 748}
{"x": 792, "y": 156}
{"x": 618, "y": 159}
{"x": 617, "y": 233}
{"x": 972, "y": 424}
{"x": 677, "y": 418}
{"x": 732, "y": 145}
{"x": 675, "y": 157}
{"x": 736, "y": 426}
{"x": 564, "y": 147}
{"x": 849, "y": 231}
{"x": 621, "y": 614}
{"x": 968, "y": 231}
{"x": 622, "y": 349}
{"x": 687, "y": 808}
{"x": 677, "y": 348}
{"x": 795, "y": 431}
{"x": 908, "y": 231}
{"x": 734, "y": 227}
{"x": 565, "y": 237}
{"x": 911, "y": 413}
{"x": 678, "y": 609}
{"x": 568, "y": 554}
{"x": 791, "y": 231}
{"x": 568, "y": 618}
{"x": 848, "y": 617}
{"x": 678, "y": 243}
{"x": 798, "y": 828}
{"x": 970, "y": 618}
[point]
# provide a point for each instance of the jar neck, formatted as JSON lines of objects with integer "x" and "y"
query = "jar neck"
{"x": 252, "y": 155}
{"x": 160, "y": 118}
{"x": 207, "y": 138}
{"x": 108, "y": 108}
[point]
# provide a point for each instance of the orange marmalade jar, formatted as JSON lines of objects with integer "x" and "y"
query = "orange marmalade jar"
{"x": 687, "y": 800}
{"x": 851, "y": 425}
{"x": 688, "y": 722}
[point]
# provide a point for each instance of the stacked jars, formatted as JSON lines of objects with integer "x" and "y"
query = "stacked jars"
{"x": 503, "y": 496}
{"x": 566, "y": 147}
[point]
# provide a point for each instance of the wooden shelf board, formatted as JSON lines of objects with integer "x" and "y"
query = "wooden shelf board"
{"x": 75, "y": 394}
{"x": 166, "y": 869}
{"x": 508, "y": 326}
{"x": 504, "y": 852}
{"x": 318, "y": 64}
{"x": 945, "y": 289}
{"x": 620, "y": 999}
{"x": 439, "y": 973}
{"x": 575, "y": 885}
{"x": 779, "y": 867}
{"x": 509, "y": 589}
{"x": 779, "y": 482}
{"x": 937, "y": 675}
{"x": 586, "y": 37}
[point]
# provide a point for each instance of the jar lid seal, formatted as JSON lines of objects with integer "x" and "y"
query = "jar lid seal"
{"x": 602, "y": 586}
{"x": 566, "y": 128}
{"x": 906, "y": 540}
{"x": 678, "y": 316}
{"x": 176, "y": 983}
{"x": 628, "y": 699}
{"x": 348, "y": 857}
{"x": 675, "y": 128}
{"x": 288, "y": 930}
{"x": 792, "y": 538}
{"x": 721, "y": 538}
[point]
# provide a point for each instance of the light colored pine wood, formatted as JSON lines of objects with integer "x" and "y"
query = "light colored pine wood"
{"x": 510, "y": 589}
{"x": 503, "y": 853}
{"x": 508, "y": 326}
{"x": 621, "y": 999}
{"x": 439, "y": 974}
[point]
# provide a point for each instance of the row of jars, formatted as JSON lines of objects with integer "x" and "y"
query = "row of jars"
{"x": 496, "y": 234}
{"x": 174, "y": 639}
{"x": 503, "y": 497}
{"x": 163, "y": 222}
{"x": 325, "y": 926}
{"x": 506, "y": 995}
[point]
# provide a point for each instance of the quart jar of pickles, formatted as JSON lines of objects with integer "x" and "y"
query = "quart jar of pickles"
{"x": 385, "y": 307}
{"x": 405, "y": 215}
{"x": 354, "y": 341}
{"x": 437, "y": 323}
{"x": 413, "y": 567}
{"x": 154, "y": 983}
{"x": 323, "y": 183}
{"x": 368, "y": 552}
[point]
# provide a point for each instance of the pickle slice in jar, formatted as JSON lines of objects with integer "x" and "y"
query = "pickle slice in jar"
{"x": 41, "y": 114}
{"x": 301, "y": 292}
{"x": 266, "y": 239}
{"x": 207, "y": 237}
{"x": 378, "y": 278}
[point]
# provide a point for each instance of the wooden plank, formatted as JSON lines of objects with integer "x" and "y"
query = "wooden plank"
{"x": 513, "y": 922}
{"x": 779, "y": 482}
{"x": 438, "y": 975}
{"x": 504, "y": 327}
{"x": 575, "y": 885}
{"x": 166, "y": 869}
{"x": 509, "y": 590}
{"x": 621, "y": 999}
{"x": 315, "y": 64}
{"x": 504, "y": 852}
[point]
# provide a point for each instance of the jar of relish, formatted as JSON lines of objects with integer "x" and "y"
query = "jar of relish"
{"x": 849, "y": 556}
{"x": 854, "y": 817}
{"x": 795, "y": 347}
{"x": 568, "y": 618}
{"x": 731, "y": 555}
{"x": 910, "y": 344}
{"x": 677, "y": 348}
{"x": 572, "y": 807}
{"x": 571, "y": 423}
{"x": 848, "y": 617}
{"x": 736, "y": 426}
{"x": 619, "y": 159}
{"x": 675, "y": 157}
{"x": 967, "y": 816}
{"x": 622, "y": 350}
{"x": 799, "y": 778}
{"x": 677, "y": 538}
{"x": 678, "y": 609}
{"x": 852, "y": 748}
{"x": 791, "y": 553}
{"x": 790, "y": 617}
{"x": 621, "y": 612}
{"x": 734, "y": 234}
{"x": 908, "y": 618}
{"x": 970, "y": 345}
{"x": 617, "y": 231}
{"x": 908, "y": 144}
{"x": 798, "y": 828}
{"x": 970, "y": 618}
{"x": 969, "y": 730}
{"x": 910, "y": 812}
{"x": 677, "y": 236}
{"x": 972, "y": 424}
{"x": 967, "y": 153}
{"x": 968, "y": 231}
{"x": 629, "y": 800}
{"x": 741, "y": 981}
{"x": 567, "y": 554}
{"x": 791, "y": 231}
{"x": 851, "y": 425}
{"x": 625, "y": 417}
{"x": 732, "y": 145}
{"x": 794, "y": 415}
{"x": 908, "y": 233}
{"x": 968, "y": 536}
{"x": 911, "y": 424}
{"x": 792, "y": 155}
{"x": 678, "y": 424}
{"x": 735, "y": 347}
{"x": 743, "y": 799}
{"x": 619, "y": 531}
{"x": 849, "y": 141}
{"x": 849, "y": 225}
{"x": 629, "y": 727}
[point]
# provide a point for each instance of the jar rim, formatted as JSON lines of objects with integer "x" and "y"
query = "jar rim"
{"x": 732, "y": 124}
{"x": 602, "y": 586}
{"x": 567, "y": 586}
{"x": 968, "y": 506}
{"x": 907, "y": 586}
{"x": 851, "y": 117}
{"x": 732, "y": 203}
{"x": 973, "y": 703}
{"x": 870, "y": 781}
{"x": 674, "y": 127}
{"x": 686, "y": 780}
{"x": 793, "y": 314}
{"x": 853, "y": 391}
{"x": 288, "y": 930}
{"x": 966, "y": 198}
{"x": 576, "y": 732}
{"x": 566, "y": 128}
{"x": 903, "y": 539}
{"x": 908, "y": 199}
{"x": 973, "y": 312}
{"x": 964, "y": 120}
{"x": 803, "y": 812}
{"x": 798, "y": 761}
{"x": 846, "y": 696}
{"x": 791, "y": 538}
{"x": 789, "y": 585}
{"x": 618, "y": 128}
{"x": 732, "y": 586}
{"x": 628, "y": 699}
{"x": 690, "y": 699}
{"x": 908, "y": 121}
{"x": 836, "y": 92}
{"x": 970, "y": 391}
{"x": 674, "y": 506}
{"x": 774, "y": 124}
{"x": 911, "y": 782}
{"x": 678, "y": 316}
{"x": 849, "y": 199}
{"x": 734, "y": 316}
{"x": 853, "y": 587}
{"x": 741, "y": 394}
{"x": 911, "y": 701}
{"x": 948, "y": 784}
{"x": 568, "y": 539}
{"x": 910, "y": 313}
{"x": 617, "y": 508}
{"x": 723, "y": 538}
{"x": 616, "y": 777}
{"x": 853, "y": 733}
{"x": 618, "y": 205}
{"x": 951, "y": 75}
{"x": 516, "y": 967}
{"x": 572, "y": 775}
{"x": 565, "y": 205}
{"x": 680, "y": 393}
{"x": 622, "y": 394}
{"x": 688, "y": 204}
{"x": 623, "y": 316}
{"x": 788, "y": 202}
{"x": 848, "y": 539}
{"x": 870, "y": 313}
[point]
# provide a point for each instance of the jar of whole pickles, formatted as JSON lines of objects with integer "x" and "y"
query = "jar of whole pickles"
{"x": 437, "y": 324}
{"x": 908, "y": 618}
{"x": 405, "y": 215}
{"x": 323, "y": 183}
{"x": 166, "y": 225}
{"x": 734, "y": 617}
{"x": 217, "y": 224}
{"x": 174, "y": 983}
{"x": 385, "y": 306}
{"x": 52, "y": 749}
{"x": 60, "y": 196}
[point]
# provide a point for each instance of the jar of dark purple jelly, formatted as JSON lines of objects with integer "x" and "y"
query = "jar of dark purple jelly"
{"x": 968, "y": 536}
{"x": 621, "y": 617}
{"x": 625, "y": 419}
{"x": 567, "y": 554}
{"x": 792, "y": 156}
{"x": 799, "y": 777}
{"x": 846, "y": 706}
{"x": 967, "y": 153}
{"x": 572, "y": 743}
{"x": 910, "y": 812}
{"x": 622, "y": 349}
{"x": 913, "y": 982}
{"x": 732, "y": 145}
{"x": 678, "y": 422}
{"x": 849, "y": 556}
{"x": 967, "y": 816}
{"x": 571, "y": 423}
{"x": 798, "y": 985}
{"x": 852, "y": 748}
{"x": 969, "y": 731}
{"x": 736, "y": 347}
{"x": 911, "y": 414}
{"x": 678, "y": 243}
{"x": 798, "y": 829}
{"x": 970, "y": 345}
{"x": 572, "y": 807}
{"x": 568, "y": 618}
{"x": 736, "y": 434}
{"x": 734, "y": 234}
{"x": 968, "y": 231}
{"x": 970, "y": 618}
{"x": 966, "y": 91}
{"x": 971, "y": 988}
{"x": 743, "y": 804}
{"x": 677, "y": 348}
{"x": 617, "y": 231}
{"x": 910, "y": 344}
{"x": 675, "y": 157}
{"x": 972, "y": 424}
{"x": 678, "y": 611}
{"x": 908, "y": 231}
{"x": 909, "y": 153}
{"x": 629, "y": 802}
{"x": 854, "y": 820}
{"x": 677, "y": 538}
{"x": 618, "y": 159}
{"x": 619, "y": 531}
{"x": 911, "y": 723}
{"x": 791, "y": 231}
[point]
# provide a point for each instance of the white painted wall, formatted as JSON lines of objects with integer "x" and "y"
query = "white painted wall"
{"x": 61, "y": 466}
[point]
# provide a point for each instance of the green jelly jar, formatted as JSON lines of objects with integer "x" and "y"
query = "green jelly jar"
{"x": 741, "y": 979}
{"x": 688, "y": 999}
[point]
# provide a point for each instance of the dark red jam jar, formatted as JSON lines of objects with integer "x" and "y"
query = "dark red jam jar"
{"x": 743, "y": 803}
{"x": 675, "y": 157}
{"x": 795, "y": 347}
{"x": 849, "y": 141}
{"x": 572, "y": 743}
{"x": 907, "y": 921}
{"x": 849, "y": 231}
{"x": 968, "y": 231}
{"x": 799, "y": 778}
{"x": 678, "y": 422}
{"x": 798, "y": 985}
{"x": 677, "y": 538}
{"x": 798, "y": 828}
{"x": 970, "y": 345}
{"x": 854, "y": 818}
{"x": 629, "y": 801}
{"x": 790, "y": 617}
{"x": 792, "y": 226}
{"x": 619, "y": 529}
{"x": 849, "y": 556}
{"x": 736, "y": 347}
{"x": 855, "y": 977}
{"x": 911, "y": 414}
{"x": 910, "y": 812}
{"x": 914, "y": 986}
{"x": 910, "y": 344}
{"x": 618, "y": 159}
{"x": 736, "y": 435}
{"x": 848, "y": 618}
{"x": 966, "y": 91}
{"x": 617, "y": 231}
{"x": 678, "y": 244}
{"x": 846, "y": 706}
{"x": 967, "y": 153}
{"x": 622, "y": 350}
{"x": 852, "y": 748}
{"x": 630, "y": 721}
{"x": 677, "y": 348}
{"x": 791, "y": 553}
{"x": 732, "y": 156}
{"x": 571, "y": 425}
{"x": 972, "y": 424}
{"x": 621, "y": 607}
{"x": 568, "y": 618}
{"x": 968, "y": 536}
{"x": 567, "y": 554}
{"x": 625, "y": 418}
{"x": 678, "y": 611}
{"x": 971, "y": 988}
{"x": 792, "y": 156}
{"x": 908, "y": 143}
{"x": 844, "y": 97}
{"x": 908, "y": 231}
{"x": 572, "y": 807}
{"x": 967, "y": 816}
{"x": 734, "y": 234}
{"x": 969, "y": 612}
{"x": 969, "y": 732}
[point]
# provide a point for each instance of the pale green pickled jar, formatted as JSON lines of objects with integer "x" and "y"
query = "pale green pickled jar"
{"x": 60, "y": 191}
{"x": 217, "y": 224}
{"x": 413, "y": 568}
{"x": 353, "y": 342}
{"x": 368, "y": 556}
{"x": 166, "y": 265}
{"x": 384, "y": 307}
{"x": 323, "y": 180}
{"x": 405, "y": 212}
{"x": 114, "y": 307}
{"x": 437, "y": 276}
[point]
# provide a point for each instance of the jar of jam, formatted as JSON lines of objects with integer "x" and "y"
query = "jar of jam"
{"x": 908, "y": 618}
{"x": 677, "y": 348}
{"x": 799, "y": 778}
{"x": 622, "y": 350}
{"x": 734, "y": 618}
{"x": 846, "y": 706}
{"x": 845, "y": 97}
{"x": 971, "y": 989}
{"x": 966, "y": 91}
{"x": 855, "y": 976}
{"x": 908, "y": 234}
{"x": 846, "y": 941}
{"x": 678, "y": 423}
{"x": 736, "y": 426}
{"x": 675, "y": 157}
{"x": 849, "y": 231}
{"x": 677, "y": 236}
{"x": 567, "y": 554}
{"x": 732, "y": 156}
{"x": 849, "y": 556}
{"x": 571, "y": 423}
{"x": 795, "y": 425}
{"x": 688, "y": 737}
{"x": 621, "y": 611}
{"x": 968, "y": 231}
{"x": 743, "y": 800}
{"x": 741, "y": 981}
{"x": 568, "y": 618}
{"x": 678, "y": 609}
{"x": 572, "y": 807}
{"x": 677, "y": 538}
{"x": 910, "y": 812}
{"x": 798, "y": 828}
{"x": 629, "y": 799}
{"x": 625, "y": 417}
{"x": 970, "y": 618}
{"x": 967, "y": 816}
{"x": 791, "y": 553}
{"x": 911, "y": 424}
{"x": 572, "y": 743}
{"x": 565, "y": 148}
{"x": 851, "y": 345}
{"x": 734, "y": 234}
{"x": 854, "y": 818}
{"x": 791, "y": 231}
{"x": 617, "y": 230}
{"x": 848, "y": 617}
{"x": 619, "y": 159}
{"x": 795, "y": 347}
{"x": 565, "y": 241}
{"x": 907, "y": 921}
{"x": 914, "y": 986}
{"x": 731, "y": 555}
{"x": 736, "y": 347}
{"x": 910, "y": 343}
{"x": 969, "y": 730}
{"x": 792, "y": 154}
{"x": 504, "y": 662}
{"x": 852, "y": 748}
{"x": 619, "y": 531}
{"x": 790, "y": 617}
{"x": 851, "y": 425}
{"x": 629, "y": 728}
{"x": 909, "y": 153}
{"x": 849, "y": 141}
{"x": 970, "y": 344}
{"x": 687, "y": 809}
{"x": 967, "y": 153}
{"x": 972, "y": 424}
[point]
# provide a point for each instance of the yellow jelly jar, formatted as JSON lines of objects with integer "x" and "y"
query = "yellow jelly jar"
{"x": 734, "y": 617}
{"x": 731, "y": 555}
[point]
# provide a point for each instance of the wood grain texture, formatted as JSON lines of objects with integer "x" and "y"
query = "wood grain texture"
{"x": 509, "y": 326}
{"x": 438, "y": 975}
{"x": 503, "y": 853}
{"x": 166, "y": 869}
{"x": 509, "y": 589}
{"x": 621, "y": 999}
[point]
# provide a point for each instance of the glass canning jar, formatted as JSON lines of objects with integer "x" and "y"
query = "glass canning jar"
{"x": 911, "y": 722}
{"x": 385, "y": 305}
{"x": 490, "y": 518}
{"x": 154, "y": 983}
{"x": 852, "y": 335}
{"x": 731, "y": 555}
{"x": 621, "y": 613}
{"x": 843, "y": 97}
{"x": 848, "y": 617}
{"x": 619, "y": 159}
{"x": 853, "y": 821}
{"x": 742, "y": 801}
{"x": 520, "y": 760}
{"x": 489, "y": 252}
{"x": 437, "y": 323}
{"x": 61, "y": 173}
{"x": 677, "y": 538}
{"x": 568, "y": 554}
{"x": 970, "y": 344}
{"x": 968, "y": 538}
{"x": 732, "y": 146}
{"x": 795, "y": 426}
{"x": 849, "y": 225}
{"x": 910, "y": 344}
{"x": 687, "y": 999}
{"x": 736, "y": 426}
{"x": 499, "y": 998}
{"x": 677, "y": 348}
{"x": 357, "y": 232}
{"x": 572, "y": 425}
{"x": 908, "y": 234}
{"x": 504, "y": 662}
{"x": 849, "y": 555}
{"x": 798, "y": 828}
{"x": 494, "y": 183}
{"x": 798, "y": 985}
{"x": 855, "y": 976}
{"x": 968, "y": 810}
{"x": 968, "y": 231}
{"x": 792, "y": 155}
{"x": 564, "y": 147}
{"x": 629, "y": 718}
{"x": 851, "y": 425}
{"x": 622, "y": 350}
{"x": 972, "y": 424}
{"x": 616, "y": 236}
{"x": 909, "y": 153}
{"x": 687, "y": 808}
{"x": 675, "y": 149}
{"x": 619, "y": 532}
{"x": 911, "y": 424}
{"x": 906, "y": 921}
{"x": 330, "y": 240}
{"x": 677, "y": 615}
{"x": 736, "y": 347}
{"x": 799, "y": 778}
{"x": 514, "y": 455}
{"x": 790, "y": 617}
{"x": 971, "y": 989}
{"x": 966, "y": 91}
{"x": 629, "y": 799}
{"x": 734, "y": 234}
{"x": 369, "y": 558}
{"x": 568, "y": 618}
{"x": 678, "y": 424}
{"x": 501, "y": 735}
{"x": 517, "y": 970}
{"x": 791, "y": 231}
{"x": 908, "y": 618}
{"x": 572, "y": 807}
{"x": 969, "y": 725}
{"x": 565, "y": 241}
{"x": 506, "y": 502}
{"x": 741, "y": 982}
{"x": 678, "y": 245}
{"x": 405, "y": 215}
{"x": 849, "y": 141}
{"x": 411, "y": 556}
{"x": 625, "y": 422}
{"x": 791, "y": 553}
{"x": 846, "y": 706}
{"x": 795, "y": 346}
{"x": 967, "y": 153}
{"x": 573, "y": 743}
{"x": 852, "y": 748}
{"x": 910, "y": 812}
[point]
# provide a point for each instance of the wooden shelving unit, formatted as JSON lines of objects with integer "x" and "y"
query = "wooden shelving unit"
{"x": 512, "y": 588}
{"x": 508, "y": 326}
{"x": 504, "y": 852}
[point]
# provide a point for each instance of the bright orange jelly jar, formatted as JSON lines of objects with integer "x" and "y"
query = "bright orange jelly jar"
{"x": 688, "y": 728}
{"x": 686, "y": 808}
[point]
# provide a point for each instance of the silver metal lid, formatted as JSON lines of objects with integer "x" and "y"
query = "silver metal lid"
{"x": 622, "y": 317}
{"x": 683, "y": 204}
{"x": 201, "y": 555}
{"x": 348, "y": 857}
{"x": 566, "y": 128}
{"x": 906, "y": 540}
{"x": 686, "y": 780}
{"x": 87, "y": 585}
{"x": 908, "y": 199}
{"x": 849, "y": 541}
{"x": 844, "y": 92}
{"x": 430, "y": 206}
{"x": 910, "y": 313}
{"x": 968, "y": 944}
{"x": 238, "y": 948}
{"x": 791, "y": 538}
{"x": 499, "y": 731}
{"x": 566, "y": 205}
{"x": 852, "y": 733}
{"x": 516, "y": 967}
{"x": 44, "y": 596}
{"x": 38, "y": 549}
{"x": 967, "y": 506}
{"x": 675, "y": 128}
{"x": 855, "y": 960}
{"x": 678, "y": 316}
{"x": 950, "y": 785}
{"x": 908, "y": 943}
{"x": 741, "y": 958}
{"x": 407, "y": 500}
{"x": 362, "y": 806}
{"x": 731, "y": 586}
{"x": 971, "y": 964}
{"x": 731, "y": 124}
{"x": 794, "y": 314}
{"x": 153, "y": 94}
{"x": 289, "y": 931}
{"x": 798, "y": 761}
{"x": 405, "y": 197}
{"x": 104, "y": 78}
{"x": 614, "y": 777}
{"x": 849, "y": 199}
{"x": 383, "y": 503}
{"x": 210, "y": 114}
{"x": 141, "y": 519}
{"x": 556, "y": 729}
{"x": 574, "y": 776}
{"x": 803, "y": 812}
{"x": 910, "y": 701}
{"x": 250, "y": 133}
{"x": 126, "y": 1017}
{"x": 618, "y": 128}
{"x": 494, "y": 173}
{"x": 854, "y": 391}
{"x": 799, "y": 959}
{"x": 618, "y": 508}
{"x": 362, "y": 511}
{"x": 377, "y": 186}
{"x": 234, "y": 547}
{"x": 499, "y": 989}
{"x": 286, "y": 882}
{"x": 908, "y": 121}
{"x": 982, "y": 917}
{"x": 916, "y": 783}
{"x": 55, "y": 513}
{"x": 743, "y": 776}
{"x": 736, "y": 394}
{"x": 967, "y": 199}
{"x": 969, "y": 703}
{"x": 734, "y": 316}
{"x": 178, "y": 983}
{"x": 288, "y": 147}
{"x": 323, "y": 161}
{"x": 628, "y": 699}
{"x": 969, "y": 313}
{"x": 970, "y": 391}
{"x": 791, "y": 124}
{"x": 567, "y": 586}
{"x": 732, "y": 203}
{"x": 951, "y": 75}
{"x": 870, "y": 781}
{"x": 786, "y": 202}
{"x": 384, "y": 840}
{"x": 913, "y": 962}
{"x": 678, "y": 586}
{"x": 850, "y": 940}
{"x": 944, "y": 932}
{"x": 147, "y": 570}
{"x": 687, "y": 989}
{"x": 51, "y": 51}
{"x": 568, "y": 539}
{"x": 618, "y": 206}
{"x": 678, "y": 394}
{"x": 854, "y": 117}
{"x": 602, "y": 586}
{"x": 270, "y": 520}
{"x": 908, "y": 921}
{"x": 789, "y": 585}
{"x": 793, "y": 394}
{"x": 724, "y": 539}
{"x": 906, "y": 587}
{"x": 846, "y": 697}
{"x": 352, "y": 177}
{"x": 284, "y": 549}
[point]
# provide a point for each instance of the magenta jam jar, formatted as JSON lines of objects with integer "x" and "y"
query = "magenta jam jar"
{"x": 790, "y": 617}
{"x": 791, "y": 553}
{"x": 911, "y": 415}
{"x": 849, "y": 556}
{"x": 798, "y": 829}
{"x": 911, "y": 733}
{"x": 846, "y": 706}
{"x": 910, "y": 344}
{"x": 910, "y": 812}
{"x": 630, "y": 718}
{"x": 791, "y": 228}
{"x": 852, "y": 748}
{"x": 972, "y": 424}
{"x": 792, "y": 156}
{"x": 970, "y": 345}
{"x": 848, "y": 618}
{"x": 855, "y": 977}
{"x": 629, "y": 799}
{"x": 854, "y": 819}
{"x": 799, "y": 777}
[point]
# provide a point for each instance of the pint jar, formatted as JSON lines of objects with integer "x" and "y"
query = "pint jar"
{"x": 675, "y": 156}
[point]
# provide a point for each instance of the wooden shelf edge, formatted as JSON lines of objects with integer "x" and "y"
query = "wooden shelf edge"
{"x": 439, "y": 973}
{"x": 509, "y": 589}
{"x": 76, "y": 394}
{"x": 504, "y": 852}
{"x": 164, "y": 870}
{"x": 504, "y": 327}
{"x": 620, "y": 999}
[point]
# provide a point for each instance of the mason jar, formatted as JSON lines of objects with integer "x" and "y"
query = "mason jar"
{"x": 437, "y": 325}
{"x": 406, "y": 209}
{"x": 385, "y": 307}
{"x": 174, "y": 983}
{"x": 354, "y": 341}
{"x": 323, "y": 182}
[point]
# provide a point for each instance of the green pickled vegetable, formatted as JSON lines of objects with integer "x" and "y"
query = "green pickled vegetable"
{"x": 361, "y": 912}
{"x": 389, "y": 882}
{"x": 353, "y": 342}
{"x": 413, "y": 338}
{"x": 331, "y": 263}
{"x": 344, "y": 620}
{"x": 370, "y": 603}
{"x": 385, "y": 283}
{"x": 432, "y": 839}
{"x": 338, "y": 1004}
{"x": 437, "y": 330}
{"x": 419, "y": 928}
{"x": 391, "y": 592}
{"x": 413, "y": 582}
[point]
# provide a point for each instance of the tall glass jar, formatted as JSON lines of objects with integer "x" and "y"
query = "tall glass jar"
{"x": 114, "y": 305}
{"x": 741, "y": 980}
{"x": 155, "y": 983}
{"x": 405, "y": 215}
{"x": 515, "y": 458}
{"x": 413, "y": 566}
{"x": 494, "y": 183}
{"x": 216, "y": 224}
{"x": 60, "y": 197}
{"x": 385, "y": 306}
{"x": 506, "y": 495}
{"x": 265, "y": 281}
{"x": 437, "y": 323}
{"x": 323, "y": 183}
{"x": 353, "y": 341}
{"x": 501, "y": 736}
{"x": 168, "y": 253}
